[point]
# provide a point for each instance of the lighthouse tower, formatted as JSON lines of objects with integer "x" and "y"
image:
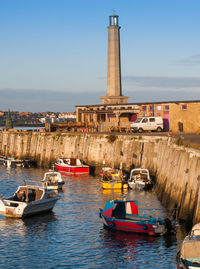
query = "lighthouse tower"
{"x": 114, "y": 90}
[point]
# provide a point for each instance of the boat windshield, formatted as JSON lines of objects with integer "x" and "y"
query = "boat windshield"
{"x": 112, "y": 177}
{"x": 52, "y": 176}
{"x": 116, "y": 177}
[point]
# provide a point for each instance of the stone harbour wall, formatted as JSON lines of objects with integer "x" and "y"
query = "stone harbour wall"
{"x": 176, "y": 168}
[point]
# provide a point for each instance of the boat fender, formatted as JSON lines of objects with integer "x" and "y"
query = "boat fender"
{"x": 145, "y": 227}
{"x": 152, "y": 233}
{"x": 100, "y": 211}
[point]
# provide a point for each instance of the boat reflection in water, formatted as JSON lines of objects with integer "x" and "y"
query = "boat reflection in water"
{"x": 109, "y": 192}
{"x": 126, "y": 239}
{"x": 38, "y": 224}
{"x": 136, "y": 250}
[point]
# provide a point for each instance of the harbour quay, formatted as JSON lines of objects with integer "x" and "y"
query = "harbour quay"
{"x": 175, "y": 167}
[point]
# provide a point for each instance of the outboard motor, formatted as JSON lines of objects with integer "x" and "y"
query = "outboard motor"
{"x": 9, "y": 163}
{"x": 168, "y": 226}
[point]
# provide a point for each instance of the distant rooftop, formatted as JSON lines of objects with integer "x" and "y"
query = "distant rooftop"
{"x": 144, "y": 103}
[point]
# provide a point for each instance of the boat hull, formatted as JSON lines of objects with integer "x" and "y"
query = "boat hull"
{"x": 112, "y": 185}
{"x": 73, "y": 170}
{"x": 22, "y": 209}
{"x": 57, "y": 186}
{"x": 133, "y": 227}
{"x": 122, "y": 215}
{"x": 134, "y": 186}
{"x": 13, "y": 163}
{"x": 185, "y": 264}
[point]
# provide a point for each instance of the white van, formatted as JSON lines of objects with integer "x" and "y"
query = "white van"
{"x": 147, "y": 124}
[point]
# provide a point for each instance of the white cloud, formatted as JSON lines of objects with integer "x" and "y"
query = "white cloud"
{"x": 190, "y": 61}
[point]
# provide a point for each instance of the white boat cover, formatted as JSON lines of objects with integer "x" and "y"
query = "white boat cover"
{"x": 190, "y": 249}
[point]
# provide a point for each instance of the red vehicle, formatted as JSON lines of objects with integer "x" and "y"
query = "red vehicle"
{"x": 72, "y": 166}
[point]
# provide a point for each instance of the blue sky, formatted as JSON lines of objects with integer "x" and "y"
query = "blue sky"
{"x": 53, "y": 53}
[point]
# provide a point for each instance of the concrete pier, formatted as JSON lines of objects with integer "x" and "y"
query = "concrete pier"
{"x": 177, "y": 168}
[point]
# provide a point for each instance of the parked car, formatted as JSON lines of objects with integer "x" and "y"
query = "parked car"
{"x": 147, "y": 124}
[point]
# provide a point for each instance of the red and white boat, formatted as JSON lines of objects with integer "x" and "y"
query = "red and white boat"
{"x": 72, "y": 166}
{"x": 122, "y": 215}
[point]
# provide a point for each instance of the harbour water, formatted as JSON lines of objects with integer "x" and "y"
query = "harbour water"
{"x": 72, "y": 236}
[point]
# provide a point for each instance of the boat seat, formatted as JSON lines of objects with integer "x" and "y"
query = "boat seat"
{"x": 16, "y": 198}
{"x": 20, "y": 196}
{"x": 128, "y": 217}
{"x": 135, "y": 218}
{"x": 119, "y": 216}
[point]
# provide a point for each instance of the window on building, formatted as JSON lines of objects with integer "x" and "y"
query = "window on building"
{"x": 150, "y": 108}
{"x": 144, "y": 108}
{"x": 166, "y": 107}
{"x": 159, "y": 108}
{"x": 184, "y": 107}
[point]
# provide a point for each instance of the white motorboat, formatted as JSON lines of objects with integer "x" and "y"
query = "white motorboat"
{"x": 189, "y": 255}
{"x": 53, "y": 181}
{"x": 139, "y": 179}
{"x": 28, "y": 200}
{"x": 13, "y": 162}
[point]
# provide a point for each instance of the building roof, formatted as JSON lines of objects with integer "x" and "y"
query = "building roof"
{"x": 143, "y": 103}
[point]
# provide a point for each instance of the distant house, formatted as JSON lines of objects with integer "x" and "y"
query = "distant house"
{"x": 26, "y": 114}
{"x": 42, "y": 120}
{"x": 67, "y": 115}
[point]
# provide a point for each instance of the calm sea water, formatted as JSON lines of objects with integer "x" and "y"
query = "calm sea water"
{"x": 72, "y": 236}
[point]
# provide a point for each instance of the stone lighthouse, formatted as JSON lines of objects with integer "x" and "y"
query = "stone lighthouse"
{"x": 114, "y": 89}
